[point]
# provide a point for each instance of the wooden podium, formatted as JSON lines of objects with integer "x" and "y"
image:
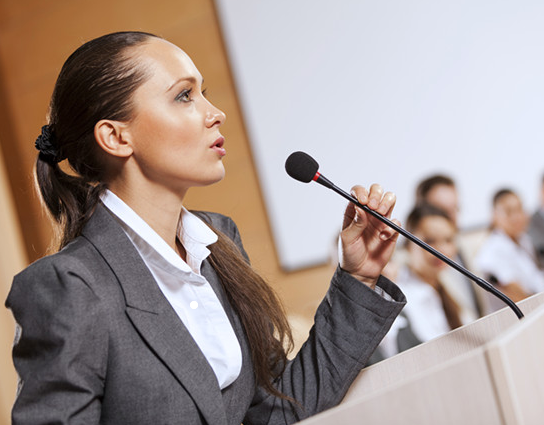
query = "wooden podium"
{"x": 488, "y": 372}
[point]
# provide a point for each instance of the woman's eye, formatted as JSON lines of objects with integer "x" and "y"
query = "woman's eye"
{"x": 184, "y": 96}
{"x": 204, "y": 92}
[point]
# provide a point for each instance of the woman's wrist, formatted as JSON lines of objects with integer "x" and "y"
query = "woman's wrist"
{"x": 368, "y": 281}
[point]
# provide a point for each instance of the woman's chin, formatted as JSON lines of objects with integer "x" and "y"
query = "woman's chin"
{"x": 220, "y": 175}
{"x": 212, "y": 179}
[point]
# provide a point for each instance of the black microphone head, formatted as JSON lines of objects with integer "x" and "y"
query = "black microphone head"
{"x": 301, "y": 166}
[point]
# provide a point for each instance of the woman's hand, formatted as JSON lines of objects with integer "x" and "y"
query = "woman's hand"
{"x": 366, "y": 244}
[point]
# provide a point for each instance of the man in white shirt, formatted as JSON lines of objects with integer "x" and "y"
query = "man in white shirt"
{"x": 507, "y": 256}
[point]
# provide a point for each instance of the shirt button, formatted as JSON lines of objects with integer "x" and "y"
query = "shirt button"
{"x": 194, "y": 305}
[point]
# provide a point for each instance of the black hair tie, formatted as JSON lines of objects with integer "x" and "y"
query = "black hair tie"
{"x": 46, "y": 143}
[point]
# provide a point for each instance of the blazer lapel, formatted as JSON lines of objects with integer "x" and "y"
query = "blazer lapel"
{"x": 154, "y": 318}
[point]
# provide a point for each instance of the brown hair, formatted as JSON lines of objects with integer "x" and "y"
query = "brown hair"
{"x": 426, "y": 185}
{"x": 420, "y": 211}
{"x": 258, "y": 307}
{"x": 501, "y": 193}
{"x": 97, "y": 82}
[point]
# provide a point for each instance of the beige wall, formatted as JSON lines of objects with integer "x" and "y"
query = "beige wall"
{"x": 36, "y": 37}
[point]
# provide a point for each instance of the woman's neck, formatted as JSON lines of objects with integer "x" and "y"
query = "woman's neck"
{"x": 512, "y": 237}
{"x": 160, "y": 209}
{"x": 427, "y": 276}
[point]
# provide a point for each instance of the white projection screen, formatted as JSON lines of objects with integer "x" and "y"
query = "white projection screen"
{"x": 387, "y": 91}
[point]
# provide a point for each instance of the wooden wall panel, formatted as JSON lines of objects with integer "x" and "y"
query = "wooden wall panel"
{"x": 12, "y": 259}
{"x": 36, "y": 36}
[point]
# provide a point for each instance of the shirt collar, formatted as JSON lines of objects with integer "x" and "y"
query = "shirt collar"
{"x": 193, "y": 233}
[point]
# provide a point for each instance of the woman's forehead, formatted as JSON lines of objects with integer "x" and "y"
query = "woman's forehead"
{"x": 509, "y": 200}
{"x": 432, "y": 222}
{"x": 167, "y": 61}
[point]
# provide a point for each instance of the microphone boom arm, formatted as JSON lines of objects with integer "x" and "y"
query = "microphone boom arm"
{"x": 478, "y": 280}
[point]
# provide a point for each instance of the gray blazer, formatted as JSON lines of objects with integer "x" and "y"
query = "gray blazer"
{"x": 98, "y": 343}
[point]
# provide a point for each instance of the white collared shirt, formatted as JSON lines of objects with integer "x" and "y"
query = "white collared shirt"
{"x": 424, "y": 307}
{"x": 511, "y": 262}
{"x": 424, "y": 311}
{"x": 185, "y": 288}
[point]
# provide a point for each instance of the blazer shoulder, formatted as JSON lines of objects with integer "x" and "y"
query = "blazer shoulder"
{"x": 53, "y": 272}
{"x": 219, "y": 221}
{"x": 72, "y": 258}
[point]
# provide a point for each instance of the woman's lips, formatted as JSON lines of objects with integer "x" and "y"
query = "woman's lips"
{"x": 218, "y": 146}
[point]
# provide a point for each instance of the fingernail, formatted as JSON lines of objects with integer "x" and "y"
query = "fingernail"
{"x": 373, "y": 203}
{"x": 359, "y": 198}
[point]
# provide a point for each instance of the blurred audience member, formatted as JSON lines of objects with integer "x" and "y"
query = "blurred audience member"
{"x": 536, "y": 228}
{"x": 439, "y": 190}
{"x": 430, "y": 310}
{"x": 507, "y": 258}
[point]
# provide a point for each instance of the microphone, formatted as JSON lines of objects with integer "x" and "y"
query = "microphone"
{"x": 302, "y": 167}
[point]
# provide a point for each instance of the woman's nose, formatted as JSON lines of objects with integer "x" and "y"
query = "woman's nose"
{"x": 215, "y": 116}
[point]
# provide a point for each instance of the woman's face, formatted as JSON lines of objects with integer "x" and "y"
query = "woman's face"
{"x": 174, "y": 129}
{"x": 509, "y": 216}
{"x": 438, "y": 232}
{"x": 445, "y": 197}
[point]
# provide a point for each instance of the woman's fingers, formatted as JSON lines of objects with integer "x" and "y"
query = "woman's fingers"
{"x": 375, "y": 196}
{"x": 354, "y": 215}
{"x": 375, "y": 199}
{"x": 388, "y": 203}
{"x": 389, "y": 233}
{"x": 367, "y": 243}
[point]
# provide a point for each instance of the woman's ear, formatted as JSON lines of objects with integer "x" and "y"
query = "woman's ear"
{"x": 111, "y": 137}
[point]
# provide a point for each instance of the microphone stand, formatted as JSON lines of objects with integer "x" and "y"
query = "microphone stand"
{"x": 478, "y": 280}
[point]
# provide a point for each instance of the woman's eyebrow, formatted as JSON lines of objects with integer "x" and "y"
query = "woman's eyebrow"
{"x": 191, "y": 79}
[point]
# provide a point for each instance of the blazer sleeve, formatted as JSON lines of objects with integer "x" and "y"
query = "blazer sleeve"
{"x": 60, "y": 347}
{"x": 349, "y": 324}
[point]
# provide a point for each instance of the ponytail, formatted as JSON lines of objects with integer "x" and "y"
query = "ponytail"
{"x": 69, "y": 200}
